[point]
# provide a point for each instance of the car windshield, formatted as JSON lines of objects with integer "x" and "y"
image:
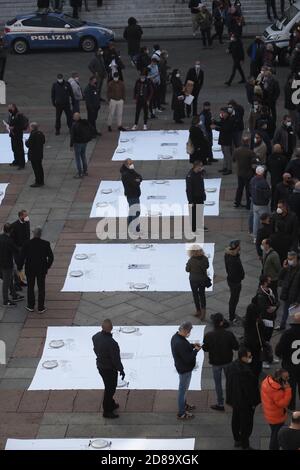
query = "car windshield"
{"x": 72, "y": 21}
{"x": 288, "y": 16}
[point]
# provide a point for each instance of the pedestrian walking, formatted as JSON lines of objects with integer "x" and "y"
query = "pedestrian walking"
{"x": 35, "y": 144}
{"x": 244, "y": 157}
{"x": 132, "y": 189}
{"x": 236, "y": 49}
{"x": 81, "y": 134}
{"x": 260, "y": 195}
{"x": 97, "y": 68}
{"x": 133, "y": 34}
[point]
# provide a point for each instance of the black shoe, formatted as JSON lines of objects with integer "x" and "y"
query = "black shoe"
{"x": 109, "y": 129}
{"x": 18, "y": 298}
{"x": 121, "y": 128}
{"x": 237, "y": 444}
{"x": 35, "y": 185}
{"x": 225, "y": 173}
{"x": 213, "y": 160}
{"x": 110, "y": 415}
{"x": 205, "y": 229}
{"x": 13, "y": 163}
{"x": 116, "y": 406}
{"x": 42, "y": 310}
{"x": 57, "y": 132}
{"x": 227, "y": 83}
{"x": 222, "y": 171}
{"x": 29, "y": 309}
{"x": 242, "y": 81}
{"x": 217, "y": 408}
{"x": 9, "y": 303}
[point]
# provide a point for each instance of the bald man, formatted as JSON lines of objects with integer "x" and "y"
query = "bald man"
{"x": 289, "y": 437}
{"x": 109, "y": 364}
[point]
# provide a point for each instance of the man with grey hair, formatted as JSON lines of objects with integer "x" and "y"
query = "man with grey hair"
{"x": 184, "y": 354}
{"x": 38, "y": 257}
{"x": 35, "y": 144}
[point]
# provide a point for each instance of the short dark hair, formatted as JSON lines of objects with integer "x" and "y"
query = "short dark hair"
{"x": 206, "y": 103}
{"x": 265, "y": 216}
{"x": 93, "y": 77}
{"x": 268, "y": 241}
{"x": 20, "y": 213}
{"x": 7, "y": 228}
{"x": 217, "y": 319}
{"x": 60, "y": 75}
{"x": 263, "y": 278}
{"x": 243, "y": 352}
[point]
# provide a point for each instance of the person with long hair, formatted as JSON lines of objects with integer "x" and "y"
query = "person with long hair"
{"x": 197, "y": 266}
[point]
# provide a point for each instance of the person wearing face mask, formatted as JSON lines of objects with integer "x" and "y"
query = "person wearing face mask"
{"x": 290, "y": 285}
{"x": 284, "y": 189}
{"x": 200, "y": 144}
{"x": 288, "y": 101}
{"x": 236, "y": 49}
{"x": 196, "y": 75}
{"x": 197, "y": 267}
{"x": 237, "y": 112}
{"x": 235, "y": 275}
{"x": 97, "y": 68}
{"x": 244, "y": 157}
{"x": 285, "y": 230}
{"x": 195, "y": 191}
{"x": 276, "y": 394}
{"x": 263, "y": 233}
{"x": 260, "y": 148}
{"x": 116, "y": 98}
{"x": 132, "y": 189}
{"x": 271, "y": 265}
{"x": 260, "y": 195}
{"x": 265, "y": 124}
{"x": 35, "y": 144}
{"x": 205, "y": 123}
{"x": 92, "y": 102}
{"x": 77, "y": 92}
{"x": 18, "y": 123}
{"x": 242, "y": 394}
{"x": 286, "y": 136}
{"x": 184, "y": 354}
{"x": 255, "y": 114}
{"x": 81, "y": 134}
{"x": 276, "y": 163}
{"x": 133, "y": 34}
{"x": 226, "y": 128}
{"x": 178, "y": 97}
{"x": 112, "y": 61}
{"x": 255, "y": 52}
{"x": 62, "y": 96}
{"x": 143, "y": 91}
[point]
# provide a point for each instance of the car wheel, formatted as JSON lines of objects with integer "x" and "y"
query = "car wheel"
{"x": 88, "y": 44}
{"x": 20, "y": 46}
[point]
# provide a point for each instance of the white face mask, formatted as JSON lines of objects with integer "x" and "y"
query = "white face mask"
{"x": 230, "y": 110}
{"x": 290, "y": 262}
{"x": 279, "y": 211}
{"x": 77, "y": 79}
{"x": 288, "y": 124}
{"x": 255, "y": 107}
{"x": 142, "y": 79}
{"x": 197, "y": 66}
{"x": 221, "y": 116}
{"x": 116, "y": 79}
{"x": 131, "y": 167}
{"x": 60, "y": 80}
{"x": 26, "y": 219}
{"x": 262, "y": 247}
{"x": 249, "y": 360}
{"x": 177, "y": 75}
{"x": 256, "y": 141}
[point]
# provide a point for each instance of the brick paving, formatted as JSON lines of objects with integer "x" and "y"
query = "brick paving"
{"x": 62, "y": 207}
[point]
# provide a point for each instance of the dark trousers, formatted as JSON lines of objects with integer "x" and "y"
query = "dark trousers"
{"x": 275, "y": 428}
{"x": 271, "y": 4}
{"x": 198, "y": 291}
{"x": 295, "y": 383}
{"x": 235, "y": 290}
{"x": 219, "y": 33}
{"x": 75, "y": 12}
{"x": 163, "y": 91}
{"x": 18, "y": 150}
{"x": 141, "y": 105}
{"x": 110, "y": 379}
{"x": 243, "y": 183}
{"x": 134, "y": 210}
{"x": 206, "y": 37}
{"x": 2, "y": 67}
{"x": 92, "y": 115}
{"x": 242, "y": 425}
{"x": 273, "y": 111}
{"x": 7, "y": 283}
{"x": 59, "y": 111}
{"x": 236, "y": 66}
{"x": 40, "y": 279}
{"x": 38, "y": 171}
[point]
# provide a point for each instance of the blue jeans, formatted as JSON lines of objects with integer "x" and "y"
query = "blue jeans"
{"x": 217, "y": 373}
{"x": 257, "y": 212}
{"x": 184, "y": 383}
{"x": 285, "y": 314}
{"x": 134, "y": 212}
{"x": 80, "y": 158}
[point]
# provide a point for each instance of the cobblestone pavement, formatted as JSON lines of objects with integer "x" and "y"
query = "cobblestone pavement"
{"x": 62, "y": 207}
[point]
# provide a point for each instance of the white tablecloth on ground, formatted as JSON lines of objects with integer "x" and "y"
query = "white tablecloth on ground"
{"x": 6, "y": 154}
{"x": 116, "y": 444}
{"x": 157, "y": 145}
{"x": 151, "y": 366}
{"x": 3, "y": 188}
{"x": 158, "y": 197}
{"x": 119, "y": 267}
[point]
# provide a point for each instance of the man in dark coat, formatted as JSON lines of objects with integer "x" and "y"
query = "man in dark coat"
{"x": 290, "y": 285}
{"x": 97, "y": 67}
{"x": 35, "y": 145}
{"x": 226, "y": 127}
{"x": 276, "y": 163}
{"x": 294, "y": 166}
{"x": 195, "y": 192}
{"x": 294, "y": 201}
{"x": 244, "y": 158}
{"x": 75, "y": 4}
{"x": 8, "y": 250}
{"x": 263, "y": 233}
{"x": 133, "y": 34}
{"x": 92, "y": 102}
{"x": 132, "y": 188}
{"x": 108, "y": 364}
{"x": 20, "y": 234}
{"x": 143, "y": 91}
{"x": 285, "y": 230}
{"x": 62, "y": 96}
{"x": 284, "y": 189}
{"x": 242, "y": 394}
{"x": 16, "y": 130}
{"x": 205, "y": 123}
{"x": 286, "y": 136}
{"x": 255, "y": 53}
{"x": 235, "y": 275}
{"x": 3, "y": 58}
{"x": 38, "y": 257}
{"x": 195, "y": 75}
{"x": 236, "y": 49}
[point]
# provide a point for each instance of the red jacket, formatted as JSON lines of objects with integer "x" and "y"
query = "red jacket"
{"x": 275, "y": 400}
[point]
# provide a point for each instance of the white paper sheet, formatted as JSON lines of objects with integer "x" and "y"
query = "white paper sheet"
{"x": 3, "y": 188}
{"x": 6, "y": 154}
{"x": 157, "y": 145}
{"x": 158, "y": 197}
{"x": 151, "y": 367}
{"x": 118, "y": 267}
{"x": 116, "y": 444}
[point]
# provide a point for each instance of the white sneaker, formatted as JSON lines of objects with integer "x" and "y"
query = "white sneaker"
{"x": 134, "y": 128}
{"x": 266, "y": 365}
{"x": 145, "y": 127}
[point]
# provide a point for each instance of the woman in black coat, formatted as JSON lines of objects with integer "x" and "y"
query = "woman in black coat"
{"x": 178, "y": 97}
{"x": 199, "y": 142}
{"x": 253, "y": 337}
{"x": 133, "y": 34}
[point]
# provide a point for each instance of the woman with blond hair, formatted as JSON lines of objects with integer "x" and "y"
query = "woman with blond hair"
{"x": 197, "y": 266}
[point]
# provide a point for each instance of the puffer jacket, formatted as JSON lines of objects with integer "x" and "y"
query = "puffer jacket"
{"x": 197, "y": 267}
{"x": 275, "y": 399}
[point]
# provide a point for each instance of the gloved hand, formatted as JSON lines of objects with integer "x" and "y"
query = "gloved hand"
{"x": 122, "y": 375}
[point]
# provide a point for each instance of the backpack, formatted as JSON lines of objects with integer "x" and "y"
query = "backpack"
{"x": 24, "y": 121}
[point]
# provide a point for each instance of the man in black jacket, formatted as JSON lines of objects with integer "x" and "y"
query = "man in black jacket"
{"x": 35, "y": 145}
{"x": 284, "y": 189}
{"x": 242, "y": 394}
{"x": 81, "y": 133}
{"x": 62, "y": 96}
{"x": 97, "y": 67}
{"x": 288, "y": 349}
{"x": 294, "y": 165}
{"x": 263, "y": 233}
{"x": 38, "y": 258}
{"x": 92, "y": 102}
{"x": 235, "y": 275}
{"x": 131, "y": 181}
{"x": 220, "y": 345}
{"x": 143, "y": 91}
{"x": 226, "y": 127}
{"x": 244, "y": 158}
{"x": 195, "y": 192}
{"x": 196, "y": 75}
{"x": 236, "y": 49}
{"x": 16, "y": 122}
{"x": 276, "y": 163}
{"x": 7, "y": 252}
{"x": 285, "y": 230}
{"x": 20, "y": 234}
{"x": 3, "y": 58}
{"x": 290, "y": 285}
{"x": 108, "y": 364}
{"x": 184, "y": 354}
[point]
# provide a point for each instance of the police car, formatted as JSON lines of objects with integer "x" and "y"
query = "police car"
{"x": 53, "y": 31}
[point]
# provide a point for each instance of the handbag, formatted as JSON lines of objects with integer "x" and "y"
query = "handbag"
{"x": 266, "y": 352}
{"x": 189, "y": 147}
{"x": 207, "y": 282}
